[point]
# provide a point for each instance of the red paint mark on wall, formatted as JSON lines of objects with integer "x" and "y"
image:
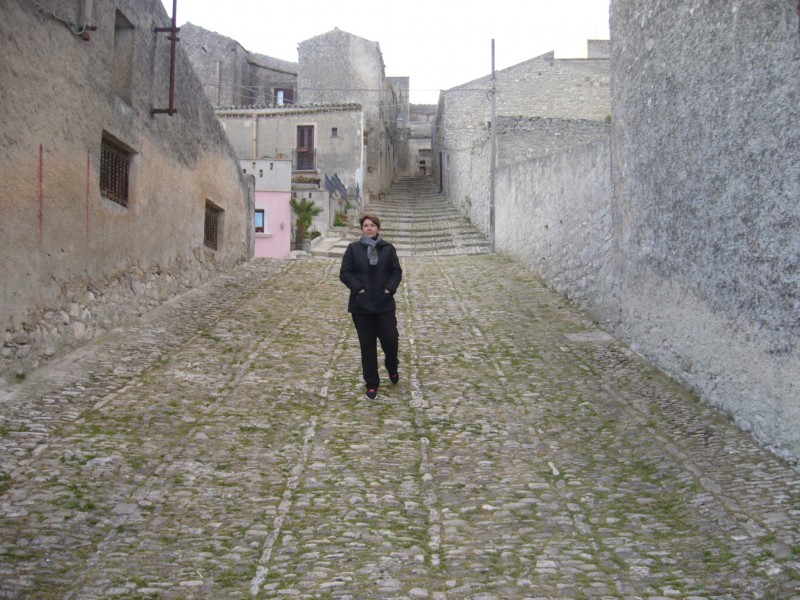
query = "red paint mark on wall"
{"x": 41, "y": 193}
{"x": 88, "y": 184}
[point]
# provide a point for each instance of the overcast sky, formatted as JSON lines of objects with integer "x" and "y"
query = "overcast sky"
{"x": 439, "y": 44}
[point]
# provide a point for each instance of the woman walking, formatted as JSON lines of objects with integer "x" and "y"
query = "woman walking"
{"x": 371, "y": 270}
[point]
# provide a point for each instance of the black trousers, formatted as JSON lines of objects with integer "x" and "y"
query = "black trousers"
{"x": 372, "y": 328}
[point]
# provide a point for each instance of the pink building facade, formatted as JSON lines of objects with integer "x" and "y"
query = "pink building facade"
{"x": 273, "y": 216}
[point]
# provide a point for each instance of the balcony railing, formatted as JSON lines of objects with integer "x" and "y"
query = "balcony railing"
{"x": 304, "y": 159}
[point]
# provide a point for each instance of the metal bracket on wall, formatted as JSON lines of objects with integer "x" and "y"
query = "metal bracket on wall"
{"x": 174, "y": 39}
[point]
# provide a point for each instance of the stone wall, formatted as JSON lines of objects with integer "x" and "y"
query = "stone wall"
{"x": 706, "y": 201}
{"x": 520, "y": 139}
{"x": 598, "y": 48}
{"x": 553, "y": 215}
{"x": 220, "y": 64}
{"x": 74, "y": 263}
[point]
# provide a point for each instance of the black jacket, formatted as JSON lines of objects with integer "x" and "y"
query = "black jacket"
{"x": 356, "y": 274}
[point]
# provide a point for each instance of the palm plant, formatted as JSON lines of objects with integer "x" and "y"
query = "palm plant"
{"x": 305, "y": 210}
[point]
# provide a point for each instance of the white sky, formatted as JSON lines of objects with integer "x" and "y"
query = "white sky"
{"x": 439, "y": 44}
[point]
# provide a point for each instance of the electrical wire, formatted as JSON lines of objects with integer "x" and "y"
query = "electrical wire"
{"x": 280, "y": 85}
{"x": 473, "y": 114}
{"x": 73, "y": 27}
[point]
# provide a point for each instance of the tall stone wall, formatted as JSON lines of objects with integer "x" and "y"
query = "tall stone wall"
{"x": 552, "y": 200}
{"x": 520, "y": 139}
{"x": 74, "y": 263}
{"x": 598, "y": 48}
{"x": 706, "y": 204}
{"x": 266, "y": 75}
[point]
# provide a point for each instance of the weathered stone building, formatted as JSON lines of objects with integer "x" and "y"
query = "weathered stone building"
{"x": 233, "y": 76}
{"x": 341, "y": 68}
{"x": 109, "y": 205}
{"x": 414, "y": 151}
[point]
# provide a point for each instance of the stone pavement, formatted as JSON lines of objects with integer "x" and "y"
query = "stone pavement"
{"x": 222, "y": 447}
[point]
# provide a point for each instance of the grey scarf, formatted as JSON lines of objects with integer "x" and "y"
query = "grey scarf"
{"x": 372, "y": 253}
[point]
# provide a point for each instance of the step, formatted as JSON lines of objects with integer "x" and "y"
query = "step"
{"x": 418, "y": 221}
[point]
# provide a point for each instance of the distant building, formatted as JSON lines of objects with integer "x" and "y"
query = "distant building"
{"x": 320, "y": 142}
{"x": 340, "y": 68}
{"x": 414, "y": 156}
{"x": 343, "y": 124}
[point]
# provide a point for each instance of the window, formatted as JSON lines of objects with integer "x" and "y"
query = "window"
{"x": 334, "y": 132}
{"x": 213, "y": 226}
{"x": 122, "y": 65}
{"x": 284, "y": 96}
{"x": 305, "y": 137}
{"x": 304, "y": 153}
{"x": 114, "y": 171}
{"x": 260, "y": 221}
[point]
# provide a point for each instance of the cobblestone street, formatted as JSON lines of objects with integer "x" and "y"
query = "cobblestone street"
{"x": 222, "y": 447}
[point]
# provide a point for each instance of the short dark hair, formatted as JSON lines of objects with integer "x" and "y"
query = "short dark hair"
{"x": 374, "y": 218}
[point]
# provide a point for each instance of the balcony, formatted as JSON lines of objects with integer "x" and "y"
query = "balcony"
{"x": 304, "y": 159}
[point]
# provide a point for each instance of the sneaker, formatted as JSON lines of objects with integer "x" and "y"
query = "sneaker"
{"x": 394, "y": 377}
{"x": 372, "y": 393}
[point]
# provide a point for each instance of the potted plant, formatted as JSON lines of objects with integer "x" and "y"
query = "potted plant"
{"x": 305, "y": 210}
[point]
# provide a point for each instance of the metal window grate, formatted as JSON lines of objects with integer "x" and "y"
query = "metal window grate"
{"x": 304, "y": 159}
{"x": 212, "y": 226}
{"x": 114, "y": 167}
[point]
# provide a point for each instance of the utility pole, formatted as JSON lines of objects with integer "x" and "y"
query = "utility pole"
{"x": 492, "y": 157}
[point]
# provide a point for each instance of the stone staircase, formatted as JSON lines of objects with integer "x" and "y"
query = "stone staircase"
{"x": 417, "y": 220}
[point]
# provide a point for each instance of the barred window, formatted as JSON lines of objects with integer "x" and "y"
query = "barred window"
{"x": 114, "y": 170}
{"x": 213, "y": 225}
